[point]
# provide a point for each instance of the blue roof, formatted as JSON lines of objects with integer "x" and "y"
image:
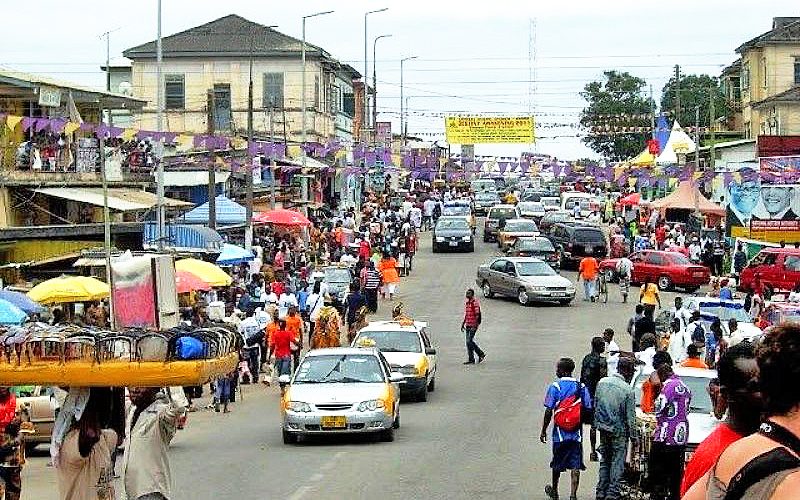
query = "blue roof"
{"x": 183, "y": 237}
{"x": 228, "y": 212}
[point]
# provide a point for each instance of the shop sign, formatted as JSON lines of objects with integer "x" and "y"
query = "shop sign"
{"x": 49, "y": 96}
{"x": 88, "y": 155}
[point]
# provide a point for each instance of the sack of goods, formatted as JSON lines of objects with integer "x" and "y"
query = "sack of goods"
{"x": 70, "y": 355}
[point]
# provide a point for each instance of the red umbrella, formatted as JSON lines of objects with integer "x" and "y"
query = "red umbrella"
{"x": 186, "y": 282}
{"x": 282, "y": 217}
{"x": 631, "y": 199}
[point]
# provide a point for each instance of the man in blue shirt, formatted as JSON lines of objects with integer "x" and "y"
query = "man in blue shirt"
{"x": 567, "y": 448}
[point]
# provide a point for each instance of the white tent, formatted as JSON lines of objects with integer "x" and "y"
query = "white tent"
{"x": 679, "y": 141}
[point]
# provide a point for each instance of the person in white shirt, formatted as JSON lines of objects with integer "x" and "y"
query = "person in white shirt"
{"x": 415, "y": 217}
{"x": 427, "y": 212}
{"x": 252, "y": 333}
{"x": 348, "y": 259}
{"x": 286, "y": 300}
{"x": 648, "y": 346}
{"x": 612, "y": 350}
{"x": 681, "y": 314}
{"x": 695, "y": 249}
{"x": 624, "y": 271}
{"x": 406, "y": 207}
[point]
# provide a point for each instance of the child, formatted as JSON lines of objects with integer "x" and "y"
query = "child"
{"x": 245, "y": 376}
{"x": 223, "y": 392}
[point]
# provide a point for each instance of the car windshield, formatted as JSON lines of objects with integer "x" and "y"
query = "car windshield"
{"x": 550, "y": 202}
{"x": 455, "y": 210}
{"x": 680, "y": 259}
{"x": 725, "y": 311}
{"x": 589, "y": 235}
{"x": 534, "y": 269}
{"x": 344, "y": 369}
{"x": 393, "y": 341}
{"x": 701, "y": 401}
{"x": 530, "y": 206}
{"x": 537, "y": 244}
{"x": 337, "y": 275}
{"x": 520, "y": 226}
{"x": 455, "y": 223}
{"x": 486, "y": 197}
{"x": 497, "y": 213}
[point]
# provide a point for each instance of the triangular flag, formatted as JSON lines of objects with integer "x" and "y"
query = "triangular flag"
{"x": 71, "y": 127}
{"x": 12, "y": 121}
{"x": 185, "y": 141}
{"x": 128, "y": 134}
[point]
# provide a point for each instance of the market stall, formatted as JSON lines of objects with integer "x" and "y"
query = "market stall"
{"x": 685, "y": 200}
{"x": 206, "y": 271}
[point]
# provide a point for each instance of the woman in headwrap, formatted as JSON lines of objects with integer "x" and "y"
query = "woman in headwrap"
{"x": 327, "y": 331}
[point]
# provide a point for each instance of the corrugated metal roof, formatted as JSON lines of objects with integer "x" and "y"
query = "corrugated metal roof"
{"x": 227, "y": 211}
{"x": 183, "y": 238}
{"x": 193, "y": 178}
{"x": 120, "y": 199}
{"x": 32, "y": 79}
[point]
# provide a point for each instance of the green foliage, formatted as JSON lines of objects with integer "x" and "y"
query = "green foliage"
{"x": 620, "y": 94}
{"x": 694, "y": 91}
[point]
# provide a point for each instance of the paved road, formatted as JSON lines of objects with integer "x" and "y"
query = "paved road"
{"x": 476, "y": 437}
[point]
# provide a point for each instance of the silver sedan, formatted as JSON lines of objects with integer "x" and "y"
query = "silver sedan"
{"x": 526, "y": 278}
{"x": 342, "y": 390}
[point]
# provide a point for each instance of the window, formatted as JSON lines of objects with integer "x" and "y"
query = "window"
{"x": 764, "y": 71}
{"x": 273, "y": 90}
{"x": 654, "y": 259}
{"x": 746, "y": 78}
{"x": 792, "y": 263}
{"x": 797, "y": 70}
{"x": 499, "y": 265}
{"x": 316, "y": 92}
{"x": 174, "y": 92}
{"x": 349, "y": 104}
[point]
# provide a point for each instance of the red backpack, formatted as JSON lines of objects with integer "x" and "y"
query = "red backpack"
{"x": 567, "y": 414}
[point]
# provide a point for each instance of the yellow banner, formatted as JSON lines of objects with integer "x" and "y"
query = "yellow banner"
{"x": 489, "y": 130}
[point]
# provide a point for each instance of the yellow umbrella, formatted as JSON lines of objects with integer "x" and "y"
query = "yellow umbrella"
{"x": 69, "y": 289}
{"x": 206, "y": 271}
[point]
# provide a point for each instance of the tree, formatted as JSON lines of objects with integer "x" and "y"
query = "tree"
{"x": 614, "y": 108}
{"x": 694, "y": 91}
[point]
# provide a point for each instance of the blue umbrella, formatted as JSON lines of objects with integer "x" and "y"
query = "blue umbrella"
{"x": 11, "y": 314}
{"x": 232, "y": 254}
{"x": 22, "y": 301}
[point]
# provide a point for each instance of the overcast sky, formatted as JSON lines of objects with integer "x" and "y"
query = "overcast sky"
{"x": 469, "y": 61}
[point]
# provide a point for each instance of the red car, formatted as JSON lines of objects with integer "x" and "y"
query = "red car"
{"x": 666, "y": 269}
{"x": 776, "y": 268}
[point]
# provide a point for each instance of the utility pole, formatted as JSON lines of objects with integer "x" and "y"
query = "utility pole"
{"x": 365, "y": 124}
{"x": 712, "y": 118}
{"x": 272, "y": 157}
{"x": 212, "y": 182}
{"x": 677, "y": 92}
{"x": 160, "y": 144}
{"x": 402, "y": 109}
{"x": 375, "y": 85}
{"x": 101, "y": 144}
{"x": 248, "y": 223}
{"x": 652, "y": 112}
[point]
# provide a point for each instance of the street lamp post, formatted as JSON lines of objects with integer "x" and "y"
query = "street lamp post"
{"x": 364, "y": 125}
{"x": 402, "y": 108}
{"x": 303, "y": 180}
{"x": 375, "y": 82}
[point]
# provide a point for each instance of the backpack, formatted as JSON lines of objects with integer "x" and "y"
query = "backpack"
{"x": 567, "y": 415}
{"x": 699, "y": 335}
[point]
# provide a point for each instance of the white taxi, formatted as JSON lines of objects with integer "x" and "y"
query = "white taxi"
{"x": 407, "y": 347}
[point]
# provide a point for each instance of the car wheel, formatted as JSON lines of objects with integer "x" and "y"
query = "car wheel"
{"x": 387, "y": 436}
{"x": 522, "y": 297}
{"x": 422, "y": 395}
{"x": 289, "y": 437}
{"x": 664, "y": 283}
{"x": 610, "y": 274}
{"x": 432, "y": 385}
{"x": 435, "y": 248}
{"x": 471, "y": 247}
{"x": 487, "y": 290}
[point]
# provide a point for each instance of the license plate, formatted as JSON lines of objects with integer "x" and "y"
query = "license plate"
{"x": 338, "y": 422}
{"x": 558, "y": 294}
{"x": 697, "y": 275}
{"x": 588, "y": 248}
{"x": 453, "y": 243}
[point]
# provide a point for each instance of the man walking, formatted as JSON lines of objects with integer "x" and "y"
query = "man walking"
{"x": 615, "y": 418}
{"x": 560, "y": 400}
{"x": 587, "y": 271}
{"x": 372, "y": 283}
{"x": 470, "y": 324}
{"x": 593, "y": 368}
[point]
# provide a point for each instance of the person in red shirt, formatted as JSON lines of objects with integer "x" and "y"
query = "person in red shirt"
{"x": 282, "y": 348}
{"x": 661, "y": 236}
{"x": 8, "y": 407}
{"x": 470, "y": 324}
{"x": 364, "y": 248}
{"x": 740, "y": 396}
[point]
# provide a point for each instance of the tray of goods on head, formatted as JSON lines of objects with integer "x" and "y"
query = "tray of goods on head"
{"x": 39, "y": 354}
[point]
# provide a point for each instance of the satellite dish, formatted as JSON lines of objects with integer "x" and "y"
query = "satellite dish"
{"x": 125, "y": 88}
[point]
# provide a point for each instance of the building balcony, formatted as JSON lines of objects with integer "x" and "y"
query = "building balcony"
{"x": 24, "y": 176}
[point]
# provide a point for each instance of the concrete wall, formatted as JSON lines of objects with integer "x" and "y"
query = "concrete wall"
{"x": 771, "y": 72}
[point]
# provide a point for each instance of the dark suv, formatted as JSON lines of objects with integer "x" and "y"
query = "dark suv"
{"x": 576, "y": 242}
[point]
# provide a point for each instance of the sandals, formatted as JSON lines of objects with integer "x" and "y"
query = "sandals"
{"x": 550, "y": 492}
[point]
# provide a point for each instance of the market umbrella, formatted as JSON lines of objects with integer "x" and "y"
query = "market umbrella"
{"x": 22, "y": 301}
{"x": 206, "y": 271}
{"x": 233, "y": 254}
{"x": 186, "y": 282}
{"x": 11, "y": 314}
{"x": 282, "y": 217}
{"x": 69, "y": 289}
{"x": 630, "y": 200}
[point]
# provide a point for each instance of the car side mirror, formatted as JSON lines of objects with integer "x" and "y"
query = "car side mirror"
{"x": 430, "y": 351}
{"x": 397, "y": 377}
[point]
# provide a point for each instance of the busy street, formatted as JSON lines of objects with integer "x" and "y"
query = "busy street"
{"x": 475, "y": 437}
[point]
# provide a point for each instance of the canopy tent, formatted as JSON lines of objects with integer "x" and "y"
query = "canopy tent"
{"x": 206, "y": 271}
{"x": 228, "y": 212}
{"x": 233, "y": 254}
{"x": 282, "y": 217}
{"x": 69, "y": 289}
{"x": 662, "y": 132}
{"x": 678, "y": 142}
{"x": 21, "y": 300}
{"x": 186, "y": 282}
{"x": 11, "y": 314}
{"x": 643, "y": 158}
{"x": 630, "y": 200}
{"x": 684, "y": 198}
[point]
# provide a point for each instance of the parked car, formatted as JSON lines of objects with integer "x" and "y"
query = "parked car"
{"x": 408, "y": 349}
{"x": 37, "y": 403}
{"x": 712, "y": 308}
{"x": 515, "y": 228}
{"x": 666, "y": 269}
{"x": 452, "y": 233}
{"x": 576, "y": 241}
{"x": 484, "y": 201}
{"x": 539, "y": 247}
{"x": 553, "y": 217}
{"x": 337, "y": 280}
{"x": 551, "y": 203}
{"x": 342, "y": 390}
{"x": 496, "y": 218}
{"x": 531, "y": 210}
{"x": 460, "y": 208}
{"x": 775, "y": 268}
{"x": 527, "y": 278}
